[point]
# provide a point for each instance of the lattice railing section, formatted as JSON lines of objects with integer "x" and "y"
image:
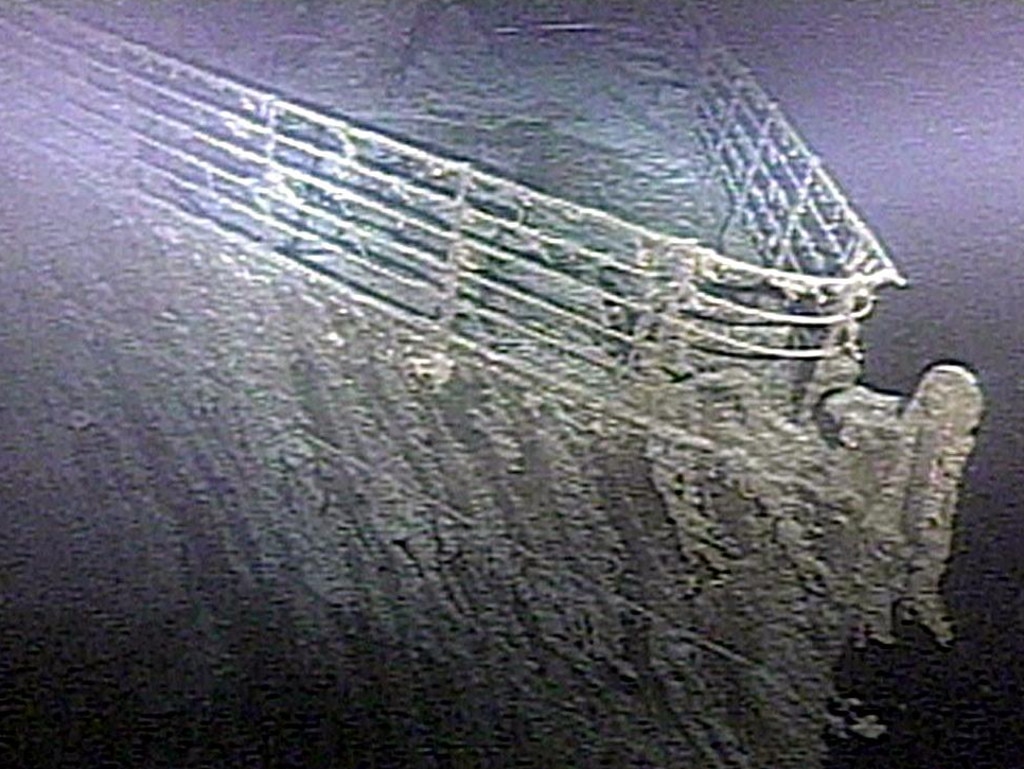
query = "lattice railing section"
{"x": 780, "y": 194}
{"x": 573, "y": 293}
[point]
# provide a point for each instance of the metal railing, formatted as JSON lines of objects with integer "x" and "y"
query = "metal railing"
{"x": 484, "y": 260}
{"x": 780, "y": 194}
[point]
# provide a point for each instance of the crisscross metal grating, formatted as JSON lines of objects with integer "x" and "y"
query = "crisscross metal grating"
{"x": 779, "y": 191}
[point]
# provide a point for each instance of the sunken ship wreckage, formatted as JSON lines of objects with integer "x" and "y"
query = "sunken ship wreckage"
{"x": 524, "y": 344}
